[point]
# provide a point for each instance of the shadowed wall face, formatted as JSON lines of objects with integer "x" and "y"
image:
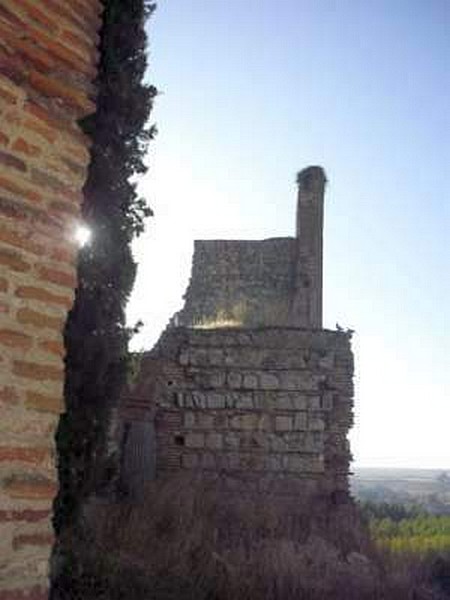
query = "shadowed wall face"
{"x": 259, "y": 410}
{"x": 47, "y": 65}
{"x": 308, "y": 284}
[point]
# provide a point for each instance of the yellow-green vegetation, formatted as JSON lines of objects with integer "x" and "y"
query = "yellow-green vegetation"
{"x": 408, "y": 529}
{"x": 418, "y": 535}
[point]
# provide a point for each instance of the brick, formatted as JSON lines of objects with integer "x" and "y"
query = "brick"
{"x": 34, "y": 456}
{"x": 18, "y": 190}
{"x": 8, "y": 395}
{"x": 44, "y": 114}
{"x": 42, "y": 295}
{"x": 81, "y": 44}
{"x": 47, "y": 181}
{"x": 55, "y": 88}
{"x": 43, "y": 403}
{"x": 13, "y": 238}
{"x": 60, "y": 206}
{"x": 15, "y": 339}
{"x": 30, "y": 488}
{"x": 26, "y": 516}
{"x": 28, "y": 51}
{"x": 66, "y": 255}
{"x": 37, "y": 371}
{"x": 24, "y": 147}
{"x": 33, "y": 593}
{"x": 4, "y": 308}
{"x": 39, "y": 17}
{"x": 44, "y": 131}
{"x": 32, "y": 539}
{"x": 3, "y": 284}
{"x": 7, "y": 96}
{"x": 58, "y": 277}
{"x": 4, "y": 139}
{"x": 13, "y": 261}
{"x": 9, "y": 160}
{"x": 28, "y": 316}
{"x": 52, "y": 347}
{"x": 64, "y": 11}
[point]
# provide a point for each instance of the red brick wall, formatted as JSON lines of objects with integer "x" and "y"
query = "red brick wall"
{"x": 47, "y": 65}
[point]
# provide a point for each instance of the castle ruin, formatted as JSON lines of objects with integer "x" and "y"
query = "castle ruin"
{"x": 244, "y": 386}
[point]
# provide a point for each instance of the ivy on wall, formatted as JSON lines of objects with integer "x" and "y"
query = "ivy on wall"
{"x": 96, "y": 336}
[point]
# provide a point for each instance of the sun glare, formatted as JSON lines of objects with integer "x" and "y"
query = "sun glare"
{"x": 82, "y": 235}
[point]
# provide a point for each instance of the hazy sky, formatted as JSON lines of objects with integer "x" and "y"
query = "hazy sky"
{"x": 253, "y": 91}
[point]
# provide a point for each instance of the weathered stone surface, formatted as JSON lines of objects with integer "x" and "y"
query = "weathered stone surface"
{"x": 277, "y": 421}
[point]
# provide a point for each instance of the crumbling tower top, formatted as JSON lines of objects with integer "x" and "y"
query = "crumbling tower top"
{"x": 308, "y": 282}
{"x": 275, "y": 282}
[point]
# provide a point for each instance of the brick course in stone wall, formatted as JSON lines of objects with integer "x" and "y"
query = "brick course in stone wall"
{"x": 47, "y": 64}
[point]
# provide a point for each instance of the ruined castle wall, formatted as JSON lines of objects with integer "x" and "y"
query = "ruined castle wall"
{"x": 241, "y": 283}
{"x": 47, "y": 65}
{"x": 264, "y": 410}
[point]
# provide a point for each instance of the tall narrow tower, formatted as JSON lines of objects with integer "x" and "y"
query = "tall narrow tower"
{"x": 307, "y": 301}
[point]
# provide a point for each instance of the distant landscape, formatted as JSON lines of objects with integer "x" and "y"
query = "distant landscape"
{"x": 425, "y": 488}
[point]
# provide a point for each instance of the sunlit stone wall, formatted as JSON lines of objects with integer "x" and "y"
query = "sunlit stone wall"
{"x": 240, "y": 283}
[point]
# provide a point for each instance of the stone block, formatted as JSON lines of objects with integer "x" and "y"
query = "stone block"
{"x": 264, "y": 422}
{"x": 234, "y": 380}
{"x": 195, "y": 440}
{"x": 300, "y": 421}
{"x": 327, "y": 400}
{"x": 250, "y": 381}
{"x": 278, "y": 443}
{"x": 217, "y": 379}
{"x": 233, "y": 460}
{"x": 190, "y": 461}
{"x": 284, "y": 402}
{"x": 205, "y": 421}
{"x": 268, "y": 381}
{"x": 199, "y": 400}
{"x": 327, "y": 361}
{"x": 232, "y": 440}
{"x": 208, "y": 461}
{"x": 214, "y": 441}
{"x": 300, "y": 402}
{"x": 316, "y": 423}
{"x": 249, "y": 422}
{"x": 215, "y": 401}
{"x": 314, "y": 403}
{"x": 244, "y": 402}
{"x": 283, "y": 423}
{"x": 184, "y": 358}
{"x": 189, "y": 420}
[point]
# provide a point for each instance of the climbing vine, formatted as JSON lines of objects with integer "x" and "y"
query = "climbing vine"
{"x": 96, "y": 336}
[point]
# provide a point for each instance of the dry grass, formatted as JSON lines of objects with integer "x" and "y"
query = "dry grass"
{"x": 188, "y": 542}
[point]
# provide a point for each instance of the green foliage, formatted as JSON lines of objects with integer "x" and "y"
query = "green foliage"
{"x": 407, "y": 530}
{"x": 419, "y": 535}
{"x": 96, "y": 336}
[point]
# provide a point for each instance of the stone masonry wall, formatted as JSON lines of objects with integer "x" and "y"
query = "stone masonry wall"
{"x": 261, "y": 409}
{"x": 47, "y": 65}
{"x": 243, "y": 283}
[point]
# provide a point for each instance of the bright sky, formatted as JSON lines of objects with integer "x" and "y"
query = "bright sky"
{"x": 253, "y": 91}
